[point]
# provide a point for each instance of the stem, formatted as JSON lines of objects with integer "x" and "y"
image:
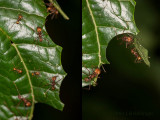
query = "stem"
{"x": 55, "y": 4}
{"x": 29, "y": 79}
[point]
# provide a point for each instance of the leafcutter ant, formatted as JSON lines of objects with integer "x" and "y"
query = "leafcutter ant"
{"x": 135, "y": 53}
{"x": 20, "y": 17}
{"x": 128, "y": 39}
{"x": 39, "y": 35}
{"x": 35, "y": 73}
{"x": 19, "y": 71}
{"x": 52, "y": 84}
{"x": 52, "y": 10}
{"x": 26, "y": 102}
{"x": 92, "y": 75}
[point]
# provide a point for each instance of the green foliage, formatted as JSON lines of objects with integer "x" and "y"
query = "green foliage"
{"x": 21, "y": 50}
{"x": 102, "y": 20}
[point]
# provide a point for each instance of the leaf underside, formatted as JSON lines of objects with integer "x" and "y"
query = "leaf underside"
{"x": 102, "y": 20}
{"x": 20, "y": 48}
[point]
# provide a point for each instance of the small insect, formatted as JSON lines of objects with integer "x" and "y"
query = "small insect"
{"x": 17, "y": 70}
{"x": 52, "y": 10}
{"x": 94, "y": 74}
{"x": 52, "y": 84}
{"x": 26, "y": 102}
{"x": 35, "y": 73}
{"x": 40, "y": 35}
{"x": 20, "y": 17}
{"x": 128, "y": 40}
{"x": 135, "y": 53}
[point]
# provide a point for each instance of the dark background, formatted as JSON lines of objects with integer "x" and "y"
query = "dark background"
{"x": 68, "y": 35}
{"x": 129, "y": 91}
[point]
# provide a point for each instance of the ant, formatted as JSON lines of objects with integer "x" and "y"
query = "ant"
{"x": 17, "y": 70}
{"x": 26, "y": 102}
{"x": 39, "y": 33}
{"x": 20, "y": 17}
{"x": 53, "y": 82}
{"x": 138, "y": 58}
{"x": 52, "y": 10}
{"x": 35, "y": 73}
{"x": 95, "y": 74}
{"x": 128, "y": 39}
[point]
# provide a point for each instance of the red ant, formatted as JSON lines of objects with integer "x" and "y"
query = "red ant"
{"x": 17, "y": 70}
{"x": 138, "y": 58}
{"x": 39, "y": 33}
{"x": 128, "y": 39}
{"x": 35, "y": 73}
{"x": 53, "y": 82}
{"x": 90, "y": 76}
{"x": 52, "y": 10}
{"x": 20, "y": 17}
{"x": 26, "y": 102}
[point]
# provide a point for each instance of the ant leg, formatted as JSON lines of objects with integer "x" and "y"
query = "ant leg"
{"x": 47, "y": 91}
{"x": 53, "y": 14}
{"x": 18, "y": 103}
{"x": 12, "y": 26}
{"x": 84, "y": 73}
{"x": 103, "y": 68}
{"x": 86, "y": 68}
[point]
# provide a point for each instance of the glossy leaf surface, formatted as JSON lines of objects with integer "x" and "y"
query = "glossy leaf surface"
{"x": 102, "y": 20}
{"x": 28, "y": 58}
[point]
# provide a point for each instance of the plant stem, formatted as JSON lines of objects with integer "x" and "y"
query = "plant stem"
{"x": 55, "y": 4}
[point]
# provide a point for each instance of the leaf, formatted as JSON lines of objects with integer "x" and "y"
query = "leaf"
{"x": 102, "y": 20}
{"x": 22, "y": 51}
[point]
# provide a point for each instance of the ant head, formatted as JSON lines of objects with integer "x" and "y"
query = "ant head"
{"x": 129, "y": 39}
{"x": 97, "y": 71}
{"x": 54, "y": 78}
{"x": 139, "y": 58}
{"x": 49, "y": 8}
{"x": 14, "y": 69}
{"x": 32, "y": 73}
{"x": 28, "y": 104}
{"x": 39, "y": 29}
{"x": 19, "y": 71}
{"x": 20, "y": 16}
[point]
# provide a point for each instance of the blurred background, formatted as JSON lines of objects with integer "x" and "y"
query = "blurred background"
{"x": 129, "y": 91}
{"x": 68, "y": 35}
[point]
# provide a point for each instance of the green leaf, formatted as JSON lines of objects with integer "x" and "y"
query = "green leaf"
{"x": 102, "y": 20}
{"x": 21, "y": 50}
